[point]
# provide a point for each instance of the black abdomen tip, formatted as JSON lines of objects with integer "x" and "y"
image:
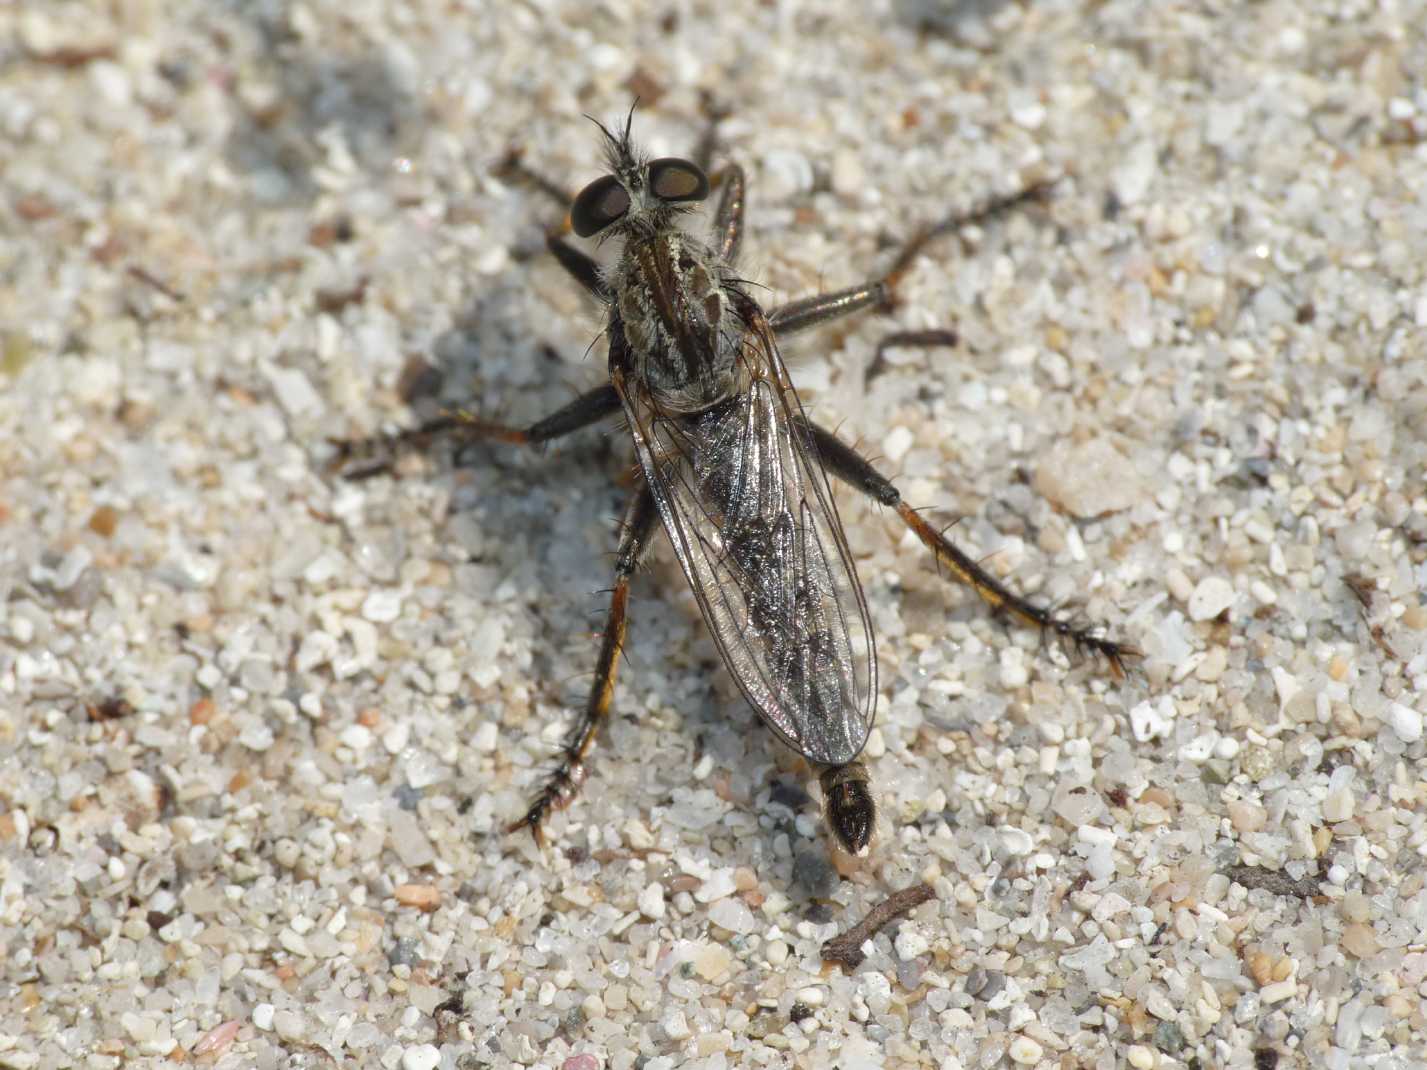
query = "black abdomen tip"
{"x": 848, "y": 806}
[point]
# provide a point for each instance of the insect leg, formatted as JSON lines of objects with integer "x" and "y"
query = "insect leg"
{"x": 728, "y": 219}
{"x": 881, "y": 293}
{"x": 365, "y": 458}
{"x": 560, "y": 789}
{"x": 581, "y": 266}
{"x": 810, "y": 311}
{"x": 928, "y": 339}
{"x": 852, "y": 468}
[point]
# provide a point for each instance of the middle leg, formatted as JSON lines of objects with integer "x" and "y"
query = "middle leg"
{"x": 364, "y": 458}
{"x": 851, "y": 467}
{"x": 881, "y": 293}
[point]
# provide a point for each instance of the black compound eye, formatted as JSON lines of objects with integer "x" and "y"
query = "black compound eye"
{"x": 599, "y": 204}
{"x": 673, "y": 179}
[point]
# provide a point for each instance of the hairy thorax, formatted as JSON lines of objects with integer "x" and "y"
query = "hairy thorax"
{"x": 677, "y": 312}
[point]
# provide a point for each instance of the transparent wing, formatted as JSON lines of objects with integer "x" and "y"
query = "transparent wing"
{"x": 749, "y": 511}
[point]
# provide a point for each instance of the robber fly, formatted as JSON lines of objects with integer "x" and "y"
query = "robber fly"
{"x": 737, "y": 474}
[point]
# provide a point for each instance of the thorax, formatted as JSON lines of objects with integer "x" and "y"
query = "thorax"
{"x": 673, "y": 305}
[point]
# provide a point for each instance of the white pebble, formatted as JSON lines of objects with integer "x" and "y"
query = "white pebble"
{"x": 911, "y": 943}
{"x": 1047, "y": 758}
{"x": 294, "y": 392}
{"x": 140, "y": 1027}
{"x": 1277, "y": 563}
{"x": 395, "y": 738}
{"x": 1095, "y": 836}
{"x": 421, "y": 1057}
{"x": 382, "y": 607}
{"x": 876, "y": 744}
{"x": 719, "y": 884}
{"x": 1089, "y": 479}
{"x": 1227, "y": 748}
{"x": 364, "y": 639}
{"x": 495, "y": 258}
{"x": 1211, "y": 596}
{"x": 1029, "y": 115}
{"x": 257, "y": 736}
{"x": 485, "y": 738}
{"x": 651, "y": 901}
{"x": 848, "y": 178}
{"x": 1014, "y": 841}
{"x": 112, "y": 84}
{"x": 1278, "y": 991}
{"x": 786, "y": 173}
{"x": 812, "y": 996}
{"x": 263, "y": 1016}
{"x": 294, "y": 942}
{"x": 1199, "y": 748}
{"x": 732, "y": 914}
{"x": 1339, "y": 805}
{"x": 1151, "y": 720}
{"x": 1025, "y": 1051}
{"x": 356, "y": 736}
{"x": 1137, "y": 169}
{"x": 1014, "y": 673}
{"x": 1406, "y": 722}
{"x": 1140, "y": 1057}
{"x": 896, "y": 444}
{"x": 1178, "y": 584}
{"x": 1286, "y": 684}
{"x": 676, "y": 1026}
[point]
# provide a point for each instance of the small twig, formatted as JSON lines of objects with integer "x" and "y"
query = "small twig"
{"x": 147, "y": 277}
{"x": 846, "y": 950}
{"x": 109, "y": 709}
{"x": 333, "y": 301}
{"x": 1273, "y": 881}
{"x": 71, "y": 56}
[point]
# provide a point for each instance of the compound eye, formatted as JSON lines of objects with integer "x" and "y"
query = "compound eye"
{"x": 599, "y": 204}
{"x": 673, "y": 179}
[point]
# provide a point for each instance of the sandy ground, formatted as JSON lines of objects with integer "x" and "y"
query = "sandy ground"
{"x": 260, "y": 728}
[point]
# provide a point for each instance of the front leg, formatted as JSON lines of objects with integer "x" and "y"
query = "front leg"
{"x": 728, "y": 219}
{"x": 854, "y": 469}
{"x": 581, "y": 266}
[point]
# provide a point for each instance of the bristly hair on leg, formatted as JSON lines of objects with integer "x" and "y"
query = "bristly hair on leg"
{"x": 1075, "y": 637}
